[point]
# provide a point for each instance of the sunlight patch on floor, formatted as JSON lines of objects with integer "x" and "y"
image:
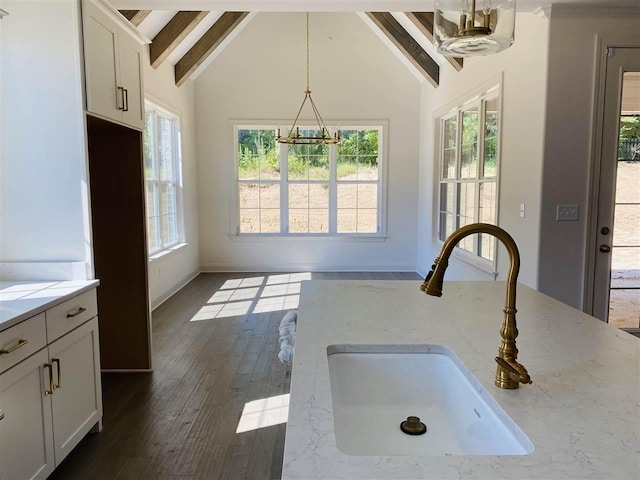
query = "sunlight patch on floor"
{"x": 265, "y": 412}
{"x": 243, "y": 296}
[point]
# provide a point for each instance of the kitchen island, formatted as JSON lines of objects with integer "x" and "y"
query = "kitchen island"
{"x": 582, "y": 412}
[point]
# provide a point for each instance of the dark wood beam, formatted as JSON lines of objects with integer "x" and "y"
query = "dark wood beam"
{"x": 424, "y": 22}
{"x": 174, "y": 32}
{"x": 206, "y": 45}
{"x": 407, "y": 45}
{"x": 135, "y": 16}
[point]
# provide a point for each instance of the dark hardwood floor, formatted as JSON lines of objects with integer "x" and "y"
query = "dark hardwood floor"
{"x": 214, "y": 350}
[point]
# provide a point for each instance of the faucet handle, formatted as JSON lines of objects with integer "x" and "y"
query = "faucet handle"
{"x": 516, "y": 369}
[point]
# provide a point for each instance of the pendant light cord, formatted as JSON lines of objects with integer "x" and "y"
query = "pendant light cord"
{"x": 308, "y": 88}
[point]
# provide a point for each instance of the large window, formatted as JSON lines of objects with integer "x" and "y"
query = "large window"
{"x": 162, "y": 177}
{"x": 309, "y": 189}
{"x": 468, "y": 182}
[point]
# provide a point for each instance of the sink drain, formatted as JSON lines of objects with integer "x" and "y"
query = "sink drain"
{"x": 413, "y": 426}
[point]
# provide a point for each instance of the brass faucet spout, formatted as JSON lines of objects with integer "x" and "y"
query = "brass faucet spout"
{"x": 509, "y": 373}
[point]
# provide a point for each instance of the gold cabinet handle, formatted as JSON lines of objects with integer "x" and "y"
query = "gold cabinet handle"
{"x": 58, "y": 384}
{"x": 50, "y": 390}
{"x": 21, "y": 343}
{"x": 77, "y": 312}
{"x": 125, "y": 100}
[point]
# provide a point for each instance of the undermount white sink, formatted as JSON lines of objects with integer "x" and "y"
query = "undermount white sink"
{"x": 376, "y": 387}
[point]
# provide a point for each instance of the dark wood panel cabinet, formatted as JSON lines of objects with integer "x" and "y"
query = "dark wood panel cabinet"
{"x": 116, "y": 172}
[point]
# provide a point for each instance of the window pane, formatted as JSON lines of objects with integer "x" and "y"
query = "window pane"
{"x": 249, "y": 195}
{"x": 148, "y": 136}
{"x": 318, "y": 221}
{"x": 358, "y": 154}
{"x": 258, "y": 156}
{"x": 152, "y": 228}
{"x": 318, "y": 167}
{"x": 249, "y": 220}
{"x": 270, "y": 220}
{"x": 487, "y": 214}
{"x": 298, "y": 221}
{"x": 299, "y": 196}
{"x": 446, "y": 225}
{"x": 347, "y": 195}
{"x": 319, "y": 195}
{"x": 347, "y": 167}
{"x": 270, "y": 196}
{"x": 367, "y": 220}
{"x": 169, "y": 234}
{"x": 298, "y": 166}
{"x": 368, "y": 195}
{"x": 466, "y": 212}
{"x": 469, "y": 150}
{"x": 308, "y": 161}
{"x": 368, "y": 167}
{"x": 347, "y": 220}
{"x": 447, "y": 200}
{"x": 490, "y": 138}
{"x": 165, "y": 148}
{"x": 449, "y": 147}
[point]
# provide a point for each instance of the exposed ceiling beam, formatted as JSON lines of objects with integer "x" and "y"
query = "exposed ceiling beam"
{"x": 135, "y": 16}
{"x": 206, "y": 45}
{"x": 424, "y": 22}
{"x": 407, "y": 45}
{"x": 174, "y": 32}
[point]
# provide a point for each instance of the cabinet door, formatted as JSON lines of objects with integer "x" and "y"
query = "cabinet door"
{"x": 101, "y": 63}
{"x": 26, "y": 438}
{"x": 130, "y": 53}
{"x": 77, "y": 402}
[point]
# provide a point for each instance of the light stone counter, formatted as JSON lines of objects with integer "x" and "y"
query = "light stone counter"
{"x": 22, "y": 300}
{"x": 582, "y": 411}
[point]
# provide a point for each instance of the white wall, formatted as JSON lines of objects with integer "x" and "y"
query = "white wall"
{"x": 523, "y": 69}
{"x": 169, "y": 272}
{"x": 569, "y": 129}
{"x": 44, "y": 205}
{"x": 261, "y": 76}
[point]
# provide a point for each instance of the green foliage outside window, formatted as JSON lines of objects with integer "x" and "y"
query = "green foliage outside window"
{"x": 258, "y": 155}
{"x": 629, "y": 139}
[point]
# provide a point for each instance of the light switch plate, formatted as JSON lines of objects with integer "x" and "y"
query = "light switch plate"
{"x": 567, "y": 213}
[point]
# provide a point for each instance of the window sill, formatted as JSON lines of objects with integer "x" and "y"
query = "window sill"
{"x": 167, "y": 252}
{"x": 275, "y": 237}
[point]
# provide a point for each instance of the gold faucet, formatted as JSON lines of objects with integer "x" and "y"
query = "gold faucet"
{"x": 509, "y": 373}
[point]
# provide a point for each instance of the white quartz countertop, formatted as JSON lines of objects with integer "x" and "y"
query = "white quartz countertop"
{"x": 582, "y": 411}
{"x": 21, "y": 300}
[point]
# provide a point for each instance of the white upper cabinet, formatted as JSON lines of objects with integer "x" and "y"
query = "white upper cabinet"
{"x": 113, "y": 65}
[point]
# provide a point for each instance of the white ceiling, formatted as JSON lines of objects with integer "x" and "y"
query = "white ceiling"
{"x": 336, "y": 5}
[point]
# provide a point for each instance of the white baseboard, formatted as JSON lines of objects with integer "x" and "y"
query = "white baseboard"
{"x": 155, "y": 303}
{"x": 299, "y": 267}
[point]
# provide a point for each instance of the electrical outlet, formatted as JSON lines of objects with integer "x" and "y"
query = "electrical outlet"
{"x": 522, "y": 210}
{"x": 567, "y": 213}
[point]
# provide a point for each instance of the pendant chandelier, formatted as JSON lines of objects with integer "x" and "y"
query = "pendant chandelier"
{"x": 295, "y": 137}
{"x": 462, "y": 30}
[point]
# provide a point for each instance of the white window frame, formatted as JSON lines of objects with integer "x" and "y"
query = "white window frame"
{"x": 491, "y": 90}
{"x": 161, "y": 111}
{"x": 332, "y": 126}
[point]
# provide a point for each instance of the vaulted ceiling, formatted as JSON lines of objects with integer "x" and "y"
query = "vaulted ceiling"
{"x": 187, "y": 39}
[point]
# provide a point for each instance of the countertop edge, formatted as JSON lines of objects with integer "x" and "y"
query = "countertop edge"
{"x": 51, "y": 302}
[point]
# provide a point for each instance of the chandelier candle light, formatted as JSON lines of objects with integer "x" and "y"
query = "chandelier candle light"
{"x": 463, "y": 30}
{"x": 294, "y": 137}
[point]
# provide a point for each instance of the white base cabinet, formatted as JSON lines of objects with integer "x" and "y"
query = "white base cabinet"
{"x": 76, "y": 399}
{"x": 53, "y": 398}
{"x": 26, "y": 431}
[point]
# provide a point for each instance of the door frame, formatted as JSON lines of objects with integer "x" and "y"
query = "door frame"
{"x": 601, "y": 54}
